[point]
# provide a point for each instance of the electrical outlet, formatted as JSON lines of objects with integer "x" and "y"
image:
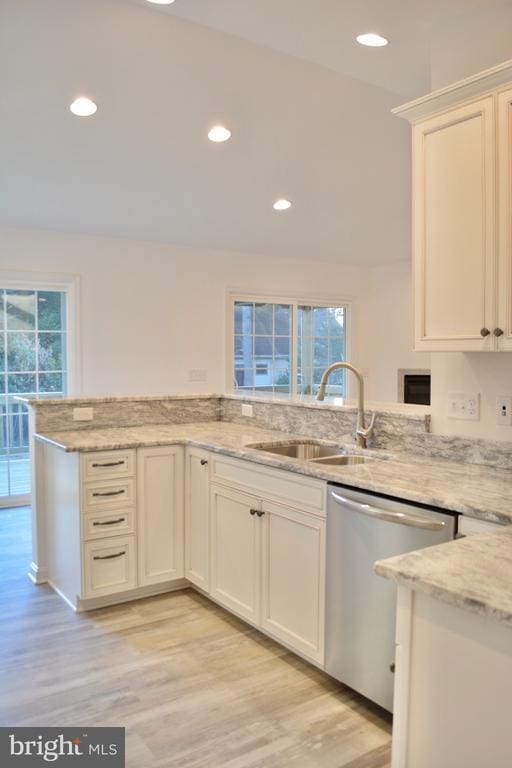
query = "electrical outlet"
{"x": 504, "y": 411}
{"x": 247, "y": 410}
{"x": 464, "y": 405}
{"x": 83, "y": 414}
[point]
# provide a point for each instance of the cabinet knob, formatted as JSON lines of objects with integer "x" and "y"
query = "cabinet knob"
{"x": 204, "y": 462}
{"x": 498, "y": 332}
{"x": 484, "y": 332}
{"x": 392, "y": 667}
{"x": 253, "y": 512}
{"x": 260, "y": 513}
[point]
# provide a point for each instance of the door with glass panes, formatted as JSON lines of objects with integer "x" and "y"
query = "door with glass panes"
{"x": 32, "y": 364}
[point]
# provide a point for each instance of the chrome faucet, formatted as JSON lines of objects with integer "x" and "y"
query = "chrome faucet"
{"x": 362, "y": 431}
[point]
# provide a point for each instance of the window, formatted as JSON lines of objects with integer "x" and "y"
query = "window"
{"x": 33, "y": 362}
{"x": 286, "y": 346}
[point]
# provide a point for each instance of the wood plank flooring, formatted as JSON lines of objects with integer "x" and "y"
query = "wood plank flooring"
{"x": 194, "y": 687}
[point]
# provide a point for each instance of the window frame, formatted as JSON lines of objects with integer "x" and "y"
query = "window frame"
{"x": 295, "y": 302}
{"x": 70, "y": 285}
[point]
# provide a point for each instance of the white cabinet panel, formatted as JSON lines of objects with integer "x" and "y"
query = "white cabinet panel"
{"x": 110, "y": 566}
{"x": 469, "y": 526}
{"x": 235, "y": 552}
{"x": 454, "y": 228}
{"x": 505, "y": 219}
{"x": 197, "y": 518}
{"x": 160, "y": 514}
{"x": 97, "y": 525}
{"x": 107, "y": 464}
{"x": 293, "y": 579}
{"x": 108, "y": 494}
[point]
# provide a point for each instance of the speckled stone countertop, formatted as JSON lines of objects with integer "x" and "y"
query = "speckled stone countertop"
{"x": 473, "y": 573}
{"x": 478, "y": 491}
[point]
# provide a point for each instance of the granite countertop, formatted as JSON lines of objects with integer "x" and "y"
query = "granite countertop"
{"x": 475, "y": 490}
{"x": 474, "y": 573}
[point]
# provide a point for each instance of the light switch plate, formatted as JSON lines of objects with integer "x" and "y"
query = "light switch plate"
{"x": 464, "y": 405}
{"x": 83, "y": 414}
{"x": 504, "y": 411}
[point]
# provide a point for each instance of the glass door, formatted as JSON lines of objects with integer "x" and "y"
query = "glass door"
{"x": 32, "y": 363}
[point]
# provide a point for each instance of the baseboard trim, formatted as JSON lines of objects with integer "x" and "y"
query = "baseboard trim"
{"x": 63, "y": 596}
{"x": 133, "y": 594}
{"x": 37, "y": 575}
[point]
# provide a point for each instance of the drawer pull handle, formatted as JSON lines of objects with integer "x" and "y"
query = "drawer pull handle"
{"x": 203, "y": 462}
{"x": 109, "y": 493}
{"x": 111, "y": 522}
{"x": 108, "y": 557}
{"x": 260, "y": 513}
{"x": 110, "y": 464}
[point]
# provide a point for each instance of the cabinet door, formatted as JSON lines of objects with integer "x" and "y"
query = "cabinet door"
{"x": 505, "y": 219}
{"x": 197, "y": 517}
{"x": 293, "y": 579}
{"x": 160, "y": 514}
{"x": 235, "y": 552}
{"x": 454, "y": 228}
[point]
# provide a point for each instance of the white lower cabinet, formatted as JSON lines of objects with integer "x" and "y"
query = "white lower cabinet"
{"x": 235, "y": 547}
{"x": 197, "y": 517}
{"x": 125, "y": 524}
{"x": 268, "y": 566}
{"x": 110, "y": 566}
{"x": 160, "y": 514}
{"x": 293, "y": 577}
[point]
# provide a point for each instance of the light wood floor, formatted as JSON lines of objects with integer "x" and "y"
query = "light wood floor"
{"x": 194, "y": 687}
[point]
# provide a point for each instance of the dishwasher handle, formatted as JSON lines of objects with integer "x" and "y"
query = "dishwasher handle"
{"x": 412, "y": 520}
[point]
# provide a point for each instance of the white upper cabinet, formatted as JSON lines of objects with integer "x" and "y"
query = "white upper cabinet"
{"x": 505, "y": 217}
{"x": 453, "y": 166}
{"x": 461, "y": 162}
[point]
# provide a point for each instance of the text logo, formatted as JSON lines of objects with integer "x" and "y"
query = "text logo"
{"x": 31, "y": 747}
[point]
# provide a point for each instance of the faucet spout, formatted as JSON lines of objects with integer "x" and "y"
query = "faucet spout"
{"x": 362, "y": 431}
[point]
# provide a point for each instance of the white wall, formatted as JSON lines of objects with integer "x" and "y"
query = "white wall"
{"x": 472, "y": 42}
{"x": 152, "y": 312}
{"x": 386, "y": 330}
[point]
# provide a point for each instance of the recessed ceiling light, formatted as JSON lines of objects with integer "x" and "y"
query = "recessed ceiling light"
{"x": 372, "y": 39}
{"x": 282, "y": 205}
{"x": 161, "y": 2}
{"x": 219, "y": 133}
{"x": 83, "y": 107}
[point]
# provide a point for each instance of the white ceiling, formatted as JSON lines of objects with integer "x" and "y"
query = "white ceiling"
{"x": 324, "y": 32}
{"x": 142, "y": 167}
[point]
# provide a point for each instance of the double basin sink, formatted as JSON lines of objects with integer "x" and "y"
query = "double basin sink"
{"x": 311, "y": 450}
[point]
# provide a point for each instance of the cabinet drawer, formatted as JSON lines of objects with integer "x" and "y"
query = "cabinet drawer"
{"x": 109, "y": 494}
{"x": 274, "y": 484}
{"x": 110, "y": 566}
{"x": 98, "y": 525}
{"x": 107, "y": 464}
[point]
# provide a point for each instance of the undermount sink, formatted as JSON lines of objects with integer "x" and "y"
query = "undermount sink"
{"x": 343, "y": 460}
{"x": 300, "y": 449}
{"x": 310, "y": 451}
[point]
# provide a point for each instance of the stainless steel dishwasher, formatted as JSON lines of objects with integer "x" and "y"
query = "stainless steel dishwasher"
{"x": 361, "y": 606}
